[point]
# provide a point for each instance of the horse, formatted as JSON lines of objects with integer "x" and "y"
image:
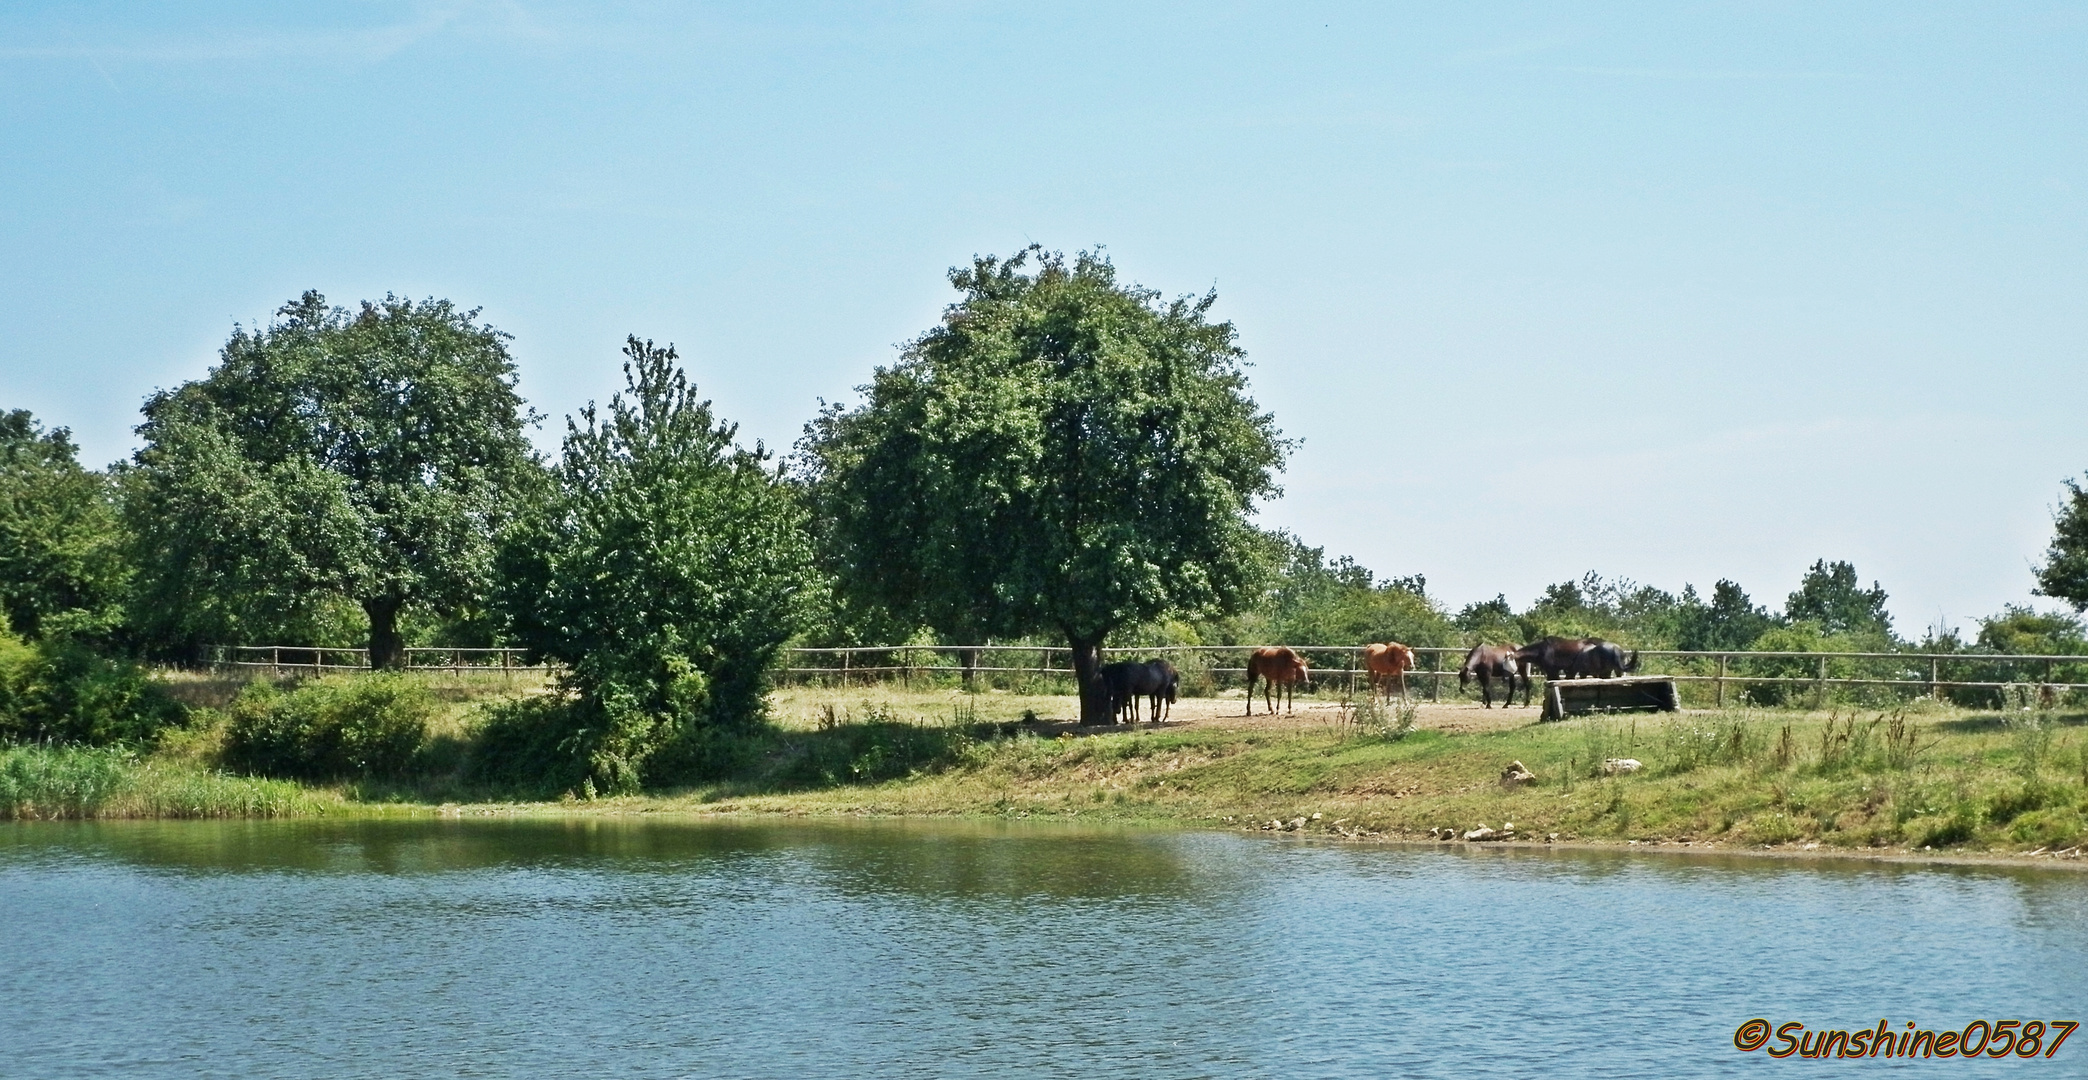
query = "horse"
{"x": 1387, "y": 664}
{"x": 1281, "y": 668}
{"x": 1119, "y": 681}
{"x": 1576, "y": 658}
{"x": 1128, "y": 680}
{"x": 1490, "y": 662}
{"x": 1161, "y": 688}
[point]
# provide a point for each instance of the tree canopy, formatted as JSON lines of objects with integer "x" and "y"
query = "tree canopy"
{"x": 2064, "y": 576}
{"x": 366, "y": 455}
{"x": 667, "y": 570}
{"x": 62, "y": 567}
{"x": 1064, "y": 454}
{"x": 1830, "y": 596}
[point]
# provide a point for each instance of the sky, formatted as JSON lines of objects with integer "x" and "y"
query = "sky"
{"x": 1668, "y": 291}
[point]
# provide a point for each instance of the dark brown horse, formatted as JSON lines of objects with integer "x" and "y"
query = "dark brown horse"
{"x": 1282, "y": 669}
{"x": 1490, "y": 662}
{"x": 1575, "y": 658}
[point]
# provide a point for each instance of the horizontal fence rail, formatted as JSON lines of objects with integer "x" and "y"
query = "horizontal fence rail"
{"x": 1924, "y": 672}
{"x": 294, "y": 659}
{"x": 1931, "y": 673}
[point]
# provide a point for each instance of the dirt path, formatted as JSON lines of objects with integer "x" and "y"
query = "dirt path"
{"x": 1229, "y": 712}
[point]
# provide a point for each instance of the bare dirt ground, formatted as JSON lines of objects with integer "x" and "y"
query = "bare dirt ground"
{"x": 802, "y": 707}
{"x": 1229, "y": 711}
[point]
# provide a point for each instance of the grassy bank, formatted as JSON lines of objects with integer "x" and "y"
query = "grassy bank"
{"x": 1929, "y": 777}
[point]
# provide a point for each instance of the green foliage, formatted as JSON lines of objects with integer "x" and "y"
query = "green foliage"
{"x": 1489, "y": 622}
{"x": 2025, "y": 631}
{"x": 367, "y": 456}
{"x": 1729, "y": 621}
{"x": 62, "y": 569}
{"x": 1322, "y": 602}
{"x": 332, "y": 729}
{"x": 59, "y": 690}
{"x": 1829, "y": 597}
{"x": 534, "y": 746}
{"x": 2064, "y": 576}
{"x": 667, "y": 572}
{"x": 47, "y": 782}
{"x": 60, "y": 782}
{"x": 1065, "y": 454}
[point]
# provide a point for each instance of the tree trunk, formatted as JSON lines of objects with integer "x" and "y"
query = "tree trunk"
{"x": 1087, "y": 666}
{"x": 387, "y": 648}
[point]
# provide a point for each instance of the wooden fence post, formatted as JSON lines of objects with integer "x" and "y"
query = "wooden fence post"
{"x": 1720, "y": 684}
{"x": 1435, "y": 676}
{"x": 1935, "y": 677}
{"x": 1820, "y": 685}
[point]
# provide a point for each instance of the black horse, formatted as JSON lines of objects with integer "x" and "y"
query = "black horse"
{"x": 1128, "y": 680}
{"x": 1575, "y": 658}
{"x": 1490, "y": 662}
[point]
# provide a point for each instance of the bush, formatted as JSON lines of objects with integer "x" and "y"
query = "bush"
{"x": 535, "y": 746}
{"x": 60, "y": 691}
{"x": 363, "y": 726}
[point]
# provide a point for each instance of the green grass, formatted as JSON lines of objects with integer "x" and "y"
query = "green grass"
{"x": 1927, "y": 777}
{"x": 39, "y": 782}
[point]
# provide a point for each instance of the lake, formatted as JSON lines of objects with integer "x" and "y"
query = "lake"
{"x": 670, "y": 948}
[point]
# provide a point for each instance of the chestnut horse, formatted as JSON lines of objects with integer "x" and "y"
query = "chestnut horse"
{"x": 1387, "y": 664}
{"x": 1491, "y": 662}
{"x": 1281, "y": 668}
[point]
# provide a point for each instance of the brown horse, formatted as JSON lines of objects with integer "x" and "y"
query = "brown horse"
{"x": 1490, "y": 662}
{"x": 1387, "y": 664}
{"x": 1281, "y": 668}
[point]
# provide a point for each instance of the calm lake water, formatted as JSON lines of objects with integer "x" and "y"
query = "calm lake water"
{"x": 662, "y": 949}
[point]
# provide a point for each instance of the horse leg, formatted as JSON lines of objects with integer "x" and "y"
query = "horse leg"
{"x": 1486, "y": 688}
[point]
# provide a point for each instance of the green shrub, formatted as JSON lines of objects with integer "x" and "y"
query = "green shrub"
{"x": 535, "y": 746}
{"x": 60, "y": 691}
{"x": 339, "y": 728}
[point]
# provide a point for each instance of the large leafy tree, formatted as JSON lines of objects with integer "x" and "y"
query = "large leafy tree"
{"x": 62, "y": 570}
{"x": 2064, "y": 576}
{"x": 367, "y": 455}
{"x": 1065, "y": 454}
{"x": 667, "y": 571}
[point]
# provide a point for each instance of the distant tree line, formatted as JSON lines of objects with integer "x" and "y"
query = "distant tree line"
{"x": 1065, "y": 457}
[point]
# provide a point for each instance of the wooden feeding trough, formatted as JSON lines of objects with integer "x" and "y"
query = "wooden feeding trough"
{"x": 1570, "y": 697}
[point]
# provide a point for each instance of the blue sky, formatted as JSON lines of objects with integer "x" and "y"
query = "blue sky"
{"x": 1669, "y": 291}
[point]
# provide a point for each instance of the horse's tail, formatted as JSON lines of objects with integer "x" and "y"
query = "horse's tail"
{"x": 1631, "y": 665}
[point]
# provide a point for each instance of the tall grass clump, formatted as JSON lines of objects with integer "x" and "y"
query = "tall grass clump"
{"x": 352, "y": 727}
{"x": 59, "y": 782}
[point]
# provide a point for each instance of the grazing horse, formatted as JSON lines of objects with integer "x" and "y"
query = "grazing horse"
{"x": 1490, "y": 662}
{"x": 1281, "y": 668}
{"x": 1576, "y": 658}
{"x": 1387, "y": 664}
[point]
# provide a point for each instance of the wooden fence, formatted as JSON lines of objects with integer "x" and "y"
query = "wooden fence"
{"x": 282, "y": 660}
{"x": 1920, "y": 673}
{"x": 1929, "y": 673}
